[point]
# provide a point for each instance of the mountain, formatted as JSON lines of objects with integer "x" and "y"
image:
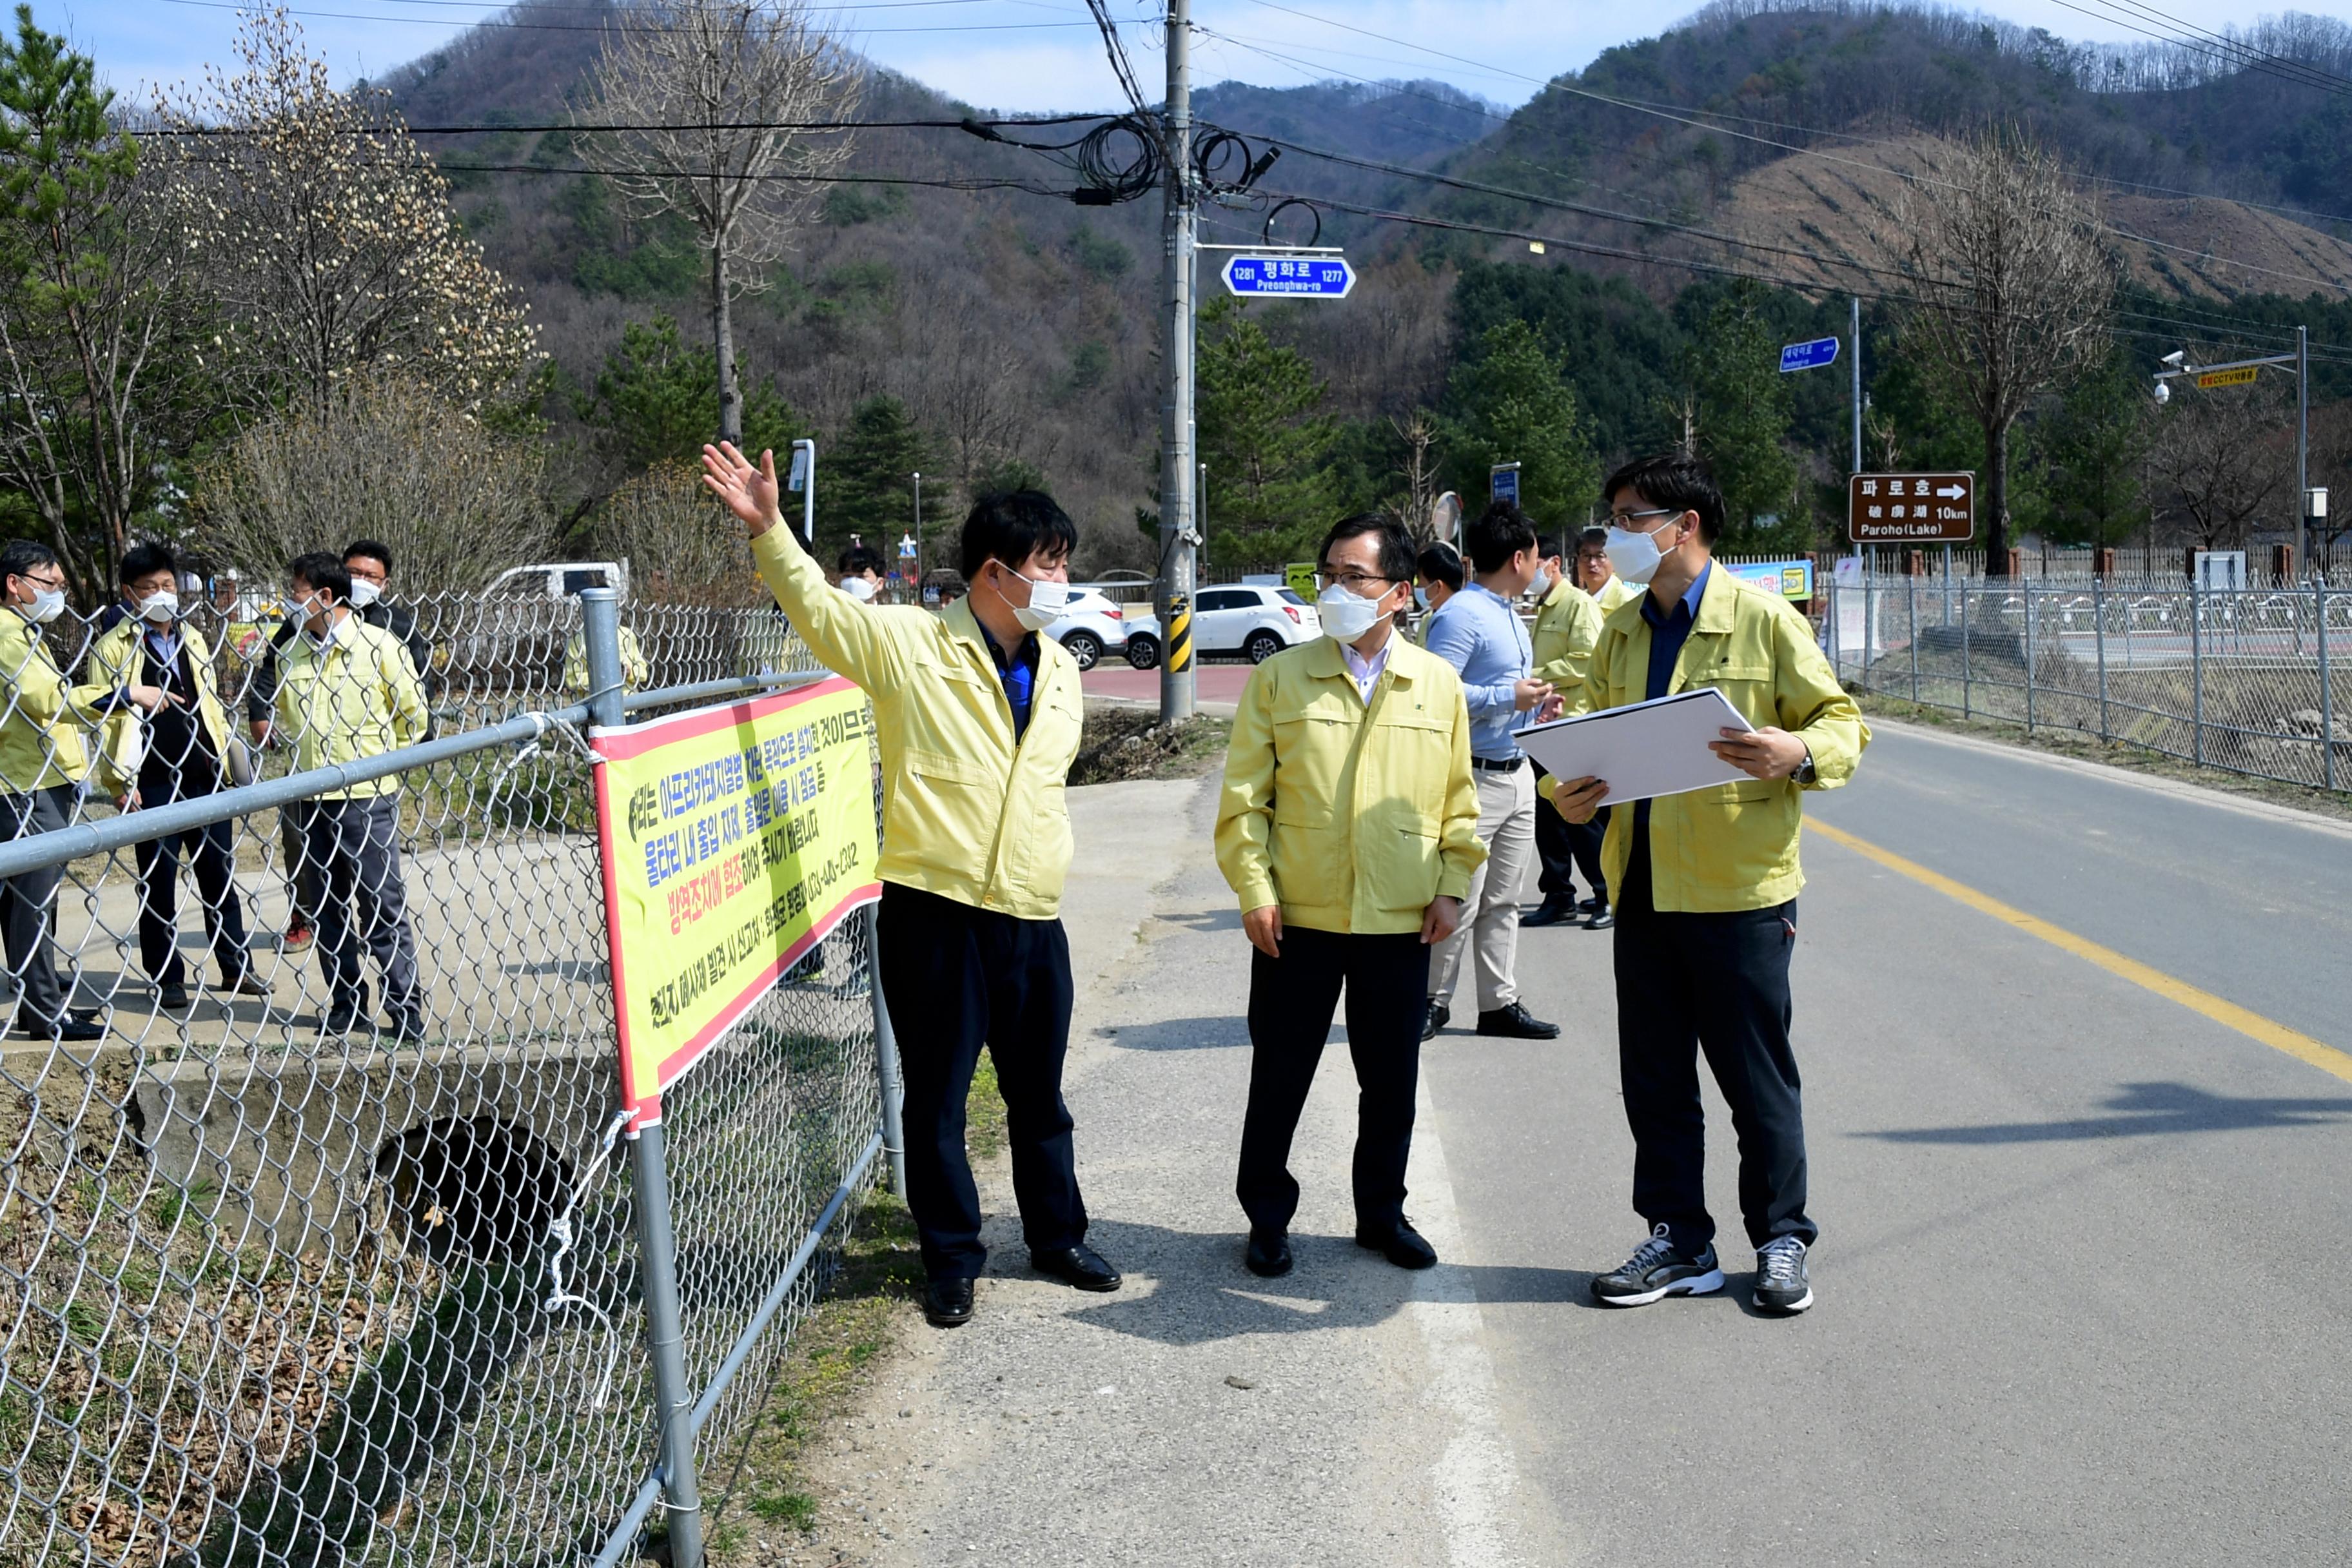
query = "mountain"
{"x": 1019, "y": 327}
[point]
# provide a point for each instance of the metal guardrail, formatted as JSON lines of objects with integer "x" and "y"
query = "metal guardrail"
{"x": 2250, "y": 681}
{"x": 275, "y": 1292}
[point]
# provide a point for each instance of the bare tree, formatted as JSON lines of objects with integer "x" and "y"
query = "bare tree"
{"x": 326, "y": 235}
{"x": 2011, "y": 289}
{"x": 682, "y": 549}
{"x": 101, "y": 335}
{"x": 1417, "y": 432}
{"x": 384, "y": 458}
{"x": 2215, "y": 462}
{"x": 727, "y": 113}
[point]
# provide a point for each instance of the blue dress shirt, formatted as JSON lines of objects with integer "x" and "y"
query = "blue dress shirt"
{"x": 1478, "y": 633}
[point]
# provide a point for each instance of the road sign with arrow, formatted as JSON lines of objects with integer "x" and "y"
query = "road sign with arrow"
{"x": 1911, "y": 509}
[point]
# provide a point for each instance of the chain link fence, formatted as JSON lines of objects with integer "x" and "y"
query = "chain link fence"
{"x": 323, "y": 1251}
{"x": 2252, "y": 682}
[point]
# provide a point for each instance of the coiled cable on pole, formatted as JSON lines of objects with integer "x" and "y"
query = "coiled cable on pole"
{"x": 1117, "y": 161}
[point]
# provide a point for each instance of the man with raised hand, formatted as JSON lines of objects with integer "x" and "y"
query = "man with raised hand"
{"x": 978, "y": 718}
{"x": 1705, "y": 885}
{"x": 1568, "y": 623}
{"x": 1348, "y": 828}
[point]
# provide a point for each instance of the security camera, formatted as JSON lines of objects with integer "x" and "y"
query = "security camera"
{"x": 2163, "y": 393}
{"x": 2175, "y": 357}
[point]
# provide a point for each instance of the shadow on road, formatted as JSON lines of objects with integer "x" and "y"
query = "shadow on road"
{"x": 1201, "y": 1294}
{"x": 2144, "y": 1109}
{"x": 1178, "y": 1034}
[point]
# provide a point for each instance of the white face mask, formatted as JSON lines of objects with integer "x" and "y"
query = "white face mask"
{"x": 1635, "y": 556}
{"x": 48, "y": 604}
{"x": 161, "y": 608}
{"x": 365, "y": 593}
{"x": 858, "y": 587}
{"x": 1345, "y": 616}
{"x": 1048, "y": 601}
{"x": 1541, "y": 582}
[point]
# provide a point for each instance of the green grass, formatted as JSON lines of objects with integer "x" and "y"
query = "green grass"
{"x": 797, "y": 1509}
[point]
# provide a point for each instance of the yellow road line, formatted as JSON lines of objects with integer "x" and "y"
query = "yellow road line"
{"x": 2253, "y": 1026}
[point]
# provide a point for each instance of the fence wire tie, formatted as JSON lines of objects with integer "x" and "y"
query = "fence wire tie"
{"x": 560, "y": 1231}
{"x": 540, "y": 724}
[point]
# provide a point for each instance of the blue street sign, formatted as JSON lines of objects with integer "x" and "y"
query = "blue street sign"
{"x": 1503, "y": 483}
{"x": 1808, "y": 356}
{"x": 1290, "y": 277}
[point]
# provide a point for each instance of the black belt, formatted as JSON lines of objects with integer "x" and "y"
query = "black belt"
{"x": 1483, "y": 766}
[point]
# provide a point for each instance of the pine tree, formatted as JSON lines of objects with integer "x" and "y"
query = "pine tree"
{"x": 1268, "y": 498}
{"x": 656, "y": 400}
{"x": 1739, "y": 412}
{"x": 1512, "y": 403}
{"x": 2096, "y": 448}
{"x": 866, "y": 486}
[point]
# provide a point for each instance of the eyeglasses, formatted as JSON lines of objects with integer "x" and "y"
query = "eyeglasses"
{"x": 1362, "y": 584}
{"x": 1619, "y": 518}
{"x": 46, "y": 585}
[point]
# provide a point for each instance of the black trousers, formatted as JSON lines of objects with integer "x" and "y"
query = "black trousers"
{"x": 1291, "y": 1000}
{"x": 957, "y": 978}
{"x": 1565, "y": 848}
{"x": 210, "y": 855}
{"x": 28, "y": 906}
{"x": 353, "y": 847}
{"x": 1716, "y": 983}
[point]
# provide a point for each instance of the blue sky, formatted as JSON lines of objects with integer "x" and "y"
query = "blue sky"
{"x": 1029, "y": 54}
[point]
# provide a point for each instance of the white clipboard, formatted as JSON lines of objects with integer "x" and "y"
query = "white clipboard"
{"x": 1643, "y": 749}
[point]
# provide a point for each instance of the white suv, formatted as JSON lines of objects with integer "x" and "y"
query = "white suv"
{"x": 1253, "y": 619}
{"x": 1090, "y": 627}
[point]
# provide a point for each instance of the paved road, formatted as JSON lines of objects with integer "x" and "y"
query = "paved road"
{"x": 2082, "y": 1292}
{"x": 2083, "y": 1296}
{"x": 1217, "y": 687}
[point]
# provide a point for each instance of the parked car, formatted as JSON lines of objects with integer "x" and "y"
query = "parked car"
{"x": 1092, "y": 627}
{"x": 1142, "y": 639}
{"x": 1253, "y": 619}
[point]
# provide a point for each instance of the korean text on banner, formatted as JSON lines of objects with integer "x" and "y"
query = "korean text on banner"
{"x": 733, "y": 840}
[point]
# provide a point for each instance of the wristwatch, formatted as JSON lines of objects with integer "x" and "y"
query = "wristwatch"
{"x": 1804, "y": 773}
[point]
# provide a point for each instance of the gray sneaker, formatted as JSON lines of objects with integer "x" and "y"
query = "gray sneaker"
{"x": 1781, "y": 1283}
{"x": 1658, "y": 1269}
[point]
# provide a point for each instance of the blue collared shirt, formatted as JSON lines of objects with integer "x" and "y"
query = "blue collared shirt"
{"x": 1019, "y": 674}
{"x": 1478, "y": 633}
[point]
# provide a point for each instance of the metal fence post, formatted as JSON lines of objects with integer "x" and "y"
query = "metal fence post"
{"x": 1837, "y": 634}
{"x": 1911, "y": 611}
{"x": 2197, "y": 670}
{"x": 2099, "y": 640}
{"x": 886, "y": 1054}
{"x": 1967, "y": 691}
{"x": 2326, "y": 696}
{"x": 1869, "y": 610}
{"x": 650, "y": 1171}
{"x": 2029, "y": 656}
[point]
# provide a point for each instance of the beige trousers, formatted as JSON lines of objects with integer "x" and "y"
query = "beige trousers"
{"x": 1490, "y": 915}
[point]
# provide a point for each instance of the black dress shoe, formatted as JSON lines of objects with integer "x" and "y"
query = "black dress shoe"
{"x": 1080, "y": 1266}
{"x": 1516, "y": 1022}
{"x": 72, "y": 1026}
{"x": 1269, "y": 1253}
{"x": 947, "y": 1302}
{"x": 1400, "y": 1244}
{"x": 172, "y": 998}
{"x": 1603, "y": 919}
{"x": 1591, "y": 905}
{"x": 1553, "y": 913}
{"x": 1435, "y": 1020}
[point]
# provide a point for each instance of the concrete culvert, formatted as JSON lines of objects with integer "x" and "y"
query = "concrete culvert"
{"x": 475, "y": 1186}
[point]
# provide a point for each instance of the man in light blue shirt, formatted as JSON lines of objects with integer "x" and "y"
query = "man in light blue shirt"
{"x": 1478, "y": 632}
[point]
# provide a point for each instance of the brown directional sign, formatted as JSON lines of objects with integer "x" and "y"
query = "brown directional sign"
{"x": 1911, "y": 509}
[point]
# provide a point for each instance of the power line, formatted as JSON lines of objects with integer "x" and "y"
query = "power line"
{"x": 609, "y": 26}
{"x": 1122, "y": 66}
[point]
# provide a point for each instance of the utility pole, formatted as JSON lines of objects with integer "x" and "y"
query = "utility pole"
{"x": 1857, "y": 383}
{"x": 1177, "y": 475}
{"x": 918, "y": 538}
{"x": 2302, "y": 453}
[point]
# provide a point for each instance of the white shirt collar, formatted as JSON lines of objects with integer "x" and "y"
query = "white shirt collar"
{"x": 1366, "y": 671}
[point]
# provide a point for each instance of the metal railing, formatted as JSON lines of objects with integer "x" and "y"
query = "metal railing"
{"x": 2246, "y": 680}
{"x": 280, "y": 1287}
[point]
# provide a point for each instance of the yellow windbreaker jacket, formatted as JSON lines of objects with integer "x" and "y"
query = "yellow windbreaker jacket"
{"x": 40, "y": 736}
{"x": 1733, "y": 846}
{"x": 356, "y": 697}
{"x": 969, "y": 813}
{"x": 1351, "y": 817}
{"x": 1568, "y": 623}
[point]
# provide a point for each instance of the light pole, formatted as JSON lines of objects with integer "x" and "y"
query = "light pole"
{"x": 918, "y": 538}
{"x": 2211, "y": 375}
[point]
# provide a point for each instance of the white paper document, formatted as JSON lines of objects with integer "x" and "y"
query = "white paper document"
{"x": 1646, "y": 750}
